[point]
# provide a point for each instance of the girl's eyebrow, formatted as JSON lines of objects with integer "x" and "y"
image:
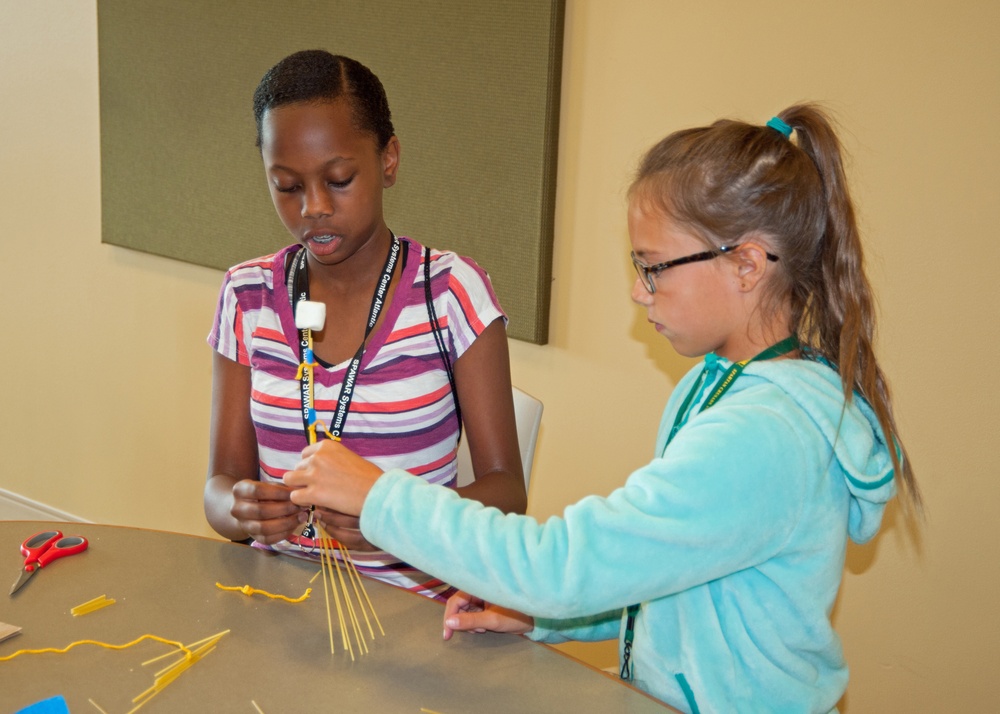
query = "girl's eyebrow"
{"x": 645, "y": 253}
{"x": 335, "y": 160}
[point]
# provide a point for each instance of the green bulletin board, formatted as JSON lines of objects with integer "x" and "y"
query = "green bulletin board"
{"x": 474, "y": 91}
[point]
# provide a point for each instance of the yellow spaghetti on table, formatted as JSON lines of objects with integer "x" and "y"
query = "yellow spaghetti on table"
{"x": 248, "y": 591}
{"x": 189, "y": 655}
{"x": 91, "y": 605}
{"x": 71, "y": 645}
{"x": 168, "y": 675}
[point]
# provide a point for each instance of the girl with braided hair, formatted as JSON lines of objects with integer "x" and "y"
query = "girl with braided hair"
{"x": 410, "y": 334}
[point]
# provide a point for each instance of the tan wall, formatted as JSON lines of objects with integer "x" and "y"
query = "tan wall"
{"x": 105, "y": 373}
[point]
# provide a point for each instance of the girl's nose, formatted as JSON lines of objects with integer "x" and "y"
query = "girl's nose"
{"x": 316, "y": 203}
{"x": 641, "y": 294}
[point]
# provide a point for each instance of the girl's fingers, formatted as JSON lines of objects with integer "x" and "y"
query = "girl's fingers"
{"x": 312, "y": 449}
{"x": 461, "y": 602}
{"x": 490, "y": 619}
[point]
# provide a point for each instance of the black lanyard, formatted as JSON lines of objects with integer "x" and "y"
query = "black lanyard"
{"x": 721, "y": 387}
{"x": 298, "y": 290}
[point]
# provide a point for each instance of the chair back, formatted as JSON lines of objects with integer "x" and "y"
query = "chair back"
{"x": 528, "y": 416}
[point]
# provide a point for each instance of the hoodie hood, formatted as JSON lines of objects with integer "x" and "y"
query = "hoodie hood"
{"x": 852, "y": 431}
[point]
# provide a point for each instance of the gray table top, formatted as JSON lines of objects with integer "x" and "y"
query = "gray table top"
{"x": 276, "y": 654}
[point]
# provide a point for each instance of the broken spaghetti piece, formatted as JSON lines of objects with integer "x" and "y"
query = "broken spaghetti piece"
{"x": 91, "y": 605}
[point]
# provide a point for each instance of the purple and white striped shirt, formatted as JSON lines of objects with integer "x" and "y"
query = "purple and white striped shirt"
{"x": 402, "y": 414}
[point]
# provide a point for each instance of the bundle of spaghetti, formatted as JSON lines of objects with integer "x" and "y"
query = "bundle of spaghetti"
{"x": 248, "y": 591}
{"x": 333, "y": 569}
{"x": 91, "y": 605}
{"x": 326, "y": 568}
{"x": 359, "y": 591}
{"x": 311, "y": 316}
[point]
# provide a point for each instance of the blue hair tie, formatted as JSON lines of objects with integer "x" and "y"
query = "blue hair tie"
{"x": 779, "y": 125}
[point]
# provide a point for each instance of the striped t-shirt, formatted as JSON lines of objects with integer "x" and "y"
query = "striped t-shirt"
{"x": 402, "y": 414}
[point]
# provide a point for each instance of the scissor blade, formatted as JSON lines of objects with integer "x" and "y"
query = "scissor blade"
{"x": 25, "y": 575}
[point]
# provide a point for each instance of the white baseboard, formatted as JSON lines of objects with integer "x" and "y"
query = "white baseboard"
{"x": 14, "y": 507}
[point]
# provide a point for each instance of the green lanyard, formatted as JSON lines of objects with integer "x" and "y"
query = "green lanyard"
{"x": 721, "y": 387}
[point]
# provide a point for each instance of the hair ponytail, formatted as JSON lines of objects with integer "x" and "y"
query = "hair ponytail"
{"x": 731, "y": 179}
{"x": 838, "y": 320}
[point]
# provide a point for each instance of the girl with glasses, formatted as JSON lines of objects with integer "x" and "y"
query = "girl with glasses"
{"x": 717, "y": 564}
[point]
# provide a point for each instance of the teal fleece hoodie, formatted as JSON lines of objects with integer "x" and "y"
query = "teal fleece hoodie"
{"x": 732, "y": 538}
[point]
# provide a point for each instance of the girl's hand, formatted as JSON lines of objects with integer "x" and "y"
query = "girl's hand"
{"x": 332, "y": 476}
{"x": 467, "y": 613}
{"x": 264, "y": 510}
{"x": 345, "y": 529}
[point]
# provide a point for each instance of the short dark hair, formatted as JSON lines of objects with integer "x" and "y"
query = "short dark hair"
{"x": 318, "y": 76}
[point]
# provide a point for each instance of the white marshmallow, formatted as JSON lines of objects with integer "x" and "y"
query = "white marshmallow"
{"x": 310, "y": 315}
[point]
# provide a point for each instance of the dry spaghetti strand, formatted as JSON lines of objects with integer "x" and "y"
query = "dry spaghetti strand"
{"x": 191, "y": 646}
{"x": 327, "y": 561}
{"x": 341, "y": 576}
{"x": 349, "y": 605}
{"x": 360, "y": 586}
{"x": 172, "y": 672}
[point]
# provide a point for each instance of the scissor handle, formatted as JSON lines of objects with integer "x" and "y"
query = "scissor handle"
{"x": 70, "y": 545}
{"x": 37, "y": 544}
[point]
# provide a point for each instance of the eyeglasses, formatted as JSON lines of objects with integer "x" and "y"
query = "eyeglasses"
{"x": 646, "y": 273}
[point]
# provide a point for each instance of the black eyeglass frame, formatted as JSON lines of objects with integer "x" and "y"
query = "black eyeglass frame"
{"x": 648, "y": 272}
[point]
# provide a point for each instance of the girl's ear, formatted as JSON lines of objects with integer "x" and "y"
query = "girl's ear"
{"x": 751, "y": 263}
{"x": 390, "y": 162}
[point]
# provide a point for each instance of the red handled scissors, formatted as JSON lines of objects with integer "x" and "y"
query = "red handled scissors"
{"x": 42, "y": 548}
